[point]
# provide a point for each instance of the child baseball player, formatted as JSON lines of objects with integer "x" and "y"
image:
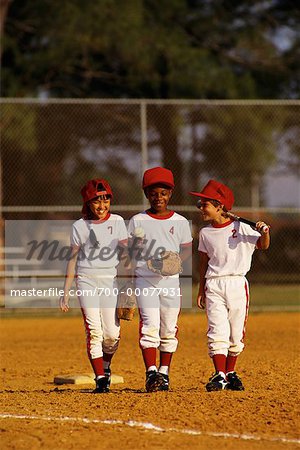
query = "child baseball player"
{"x": 158, "y": 296}
{"x": 94, "y": 241}
{"x": 226, "y": 249}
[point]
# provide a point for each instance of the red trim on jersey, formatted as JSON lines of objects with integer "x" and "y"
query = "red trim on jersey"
{"x": 179, "y": 312}
{"x": 222, "y": 225}
{"x": 102, "y": 220}
{"x": 186, "y": 244}
{"x": 96, "y": 363}
{"x": 140, "y": 329}
{"x": 247, "y": 310}
{"x": 88, "y": 335}
{"x": 180, "y": 307}
{"x": 155, "y": 216}
{"x": 123, "y": 241}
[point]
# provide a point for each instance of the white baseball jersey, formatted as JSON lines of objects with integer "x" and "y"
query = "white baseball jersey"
{"x": 99, "y": 249}
{"x": 161, "y": 233}
{"x": 229, "y": 247}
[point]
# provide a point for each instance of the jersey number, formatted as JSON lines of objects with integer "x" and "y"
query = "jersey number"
{"x": 234, "y": 233}
{"x": 171, "y": 230}
{"x": 110, "y": 228}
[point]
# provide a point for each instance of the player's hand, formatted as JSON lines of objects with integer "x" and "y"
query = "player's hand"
{"x": 201, "y": 301}
{"x": 262, "y": 227}
{"x": 64, "y": 303}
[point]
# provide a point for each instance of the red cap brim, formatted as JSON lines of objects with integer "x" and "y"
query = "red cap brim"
{"x": 195, "y": 193}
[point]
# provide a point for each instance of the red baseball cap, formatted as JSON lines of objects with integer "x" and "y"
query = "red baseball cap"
{"x": 217, "y": 191}
{"x": 92, "y": 189}
{"x": 158, "y": 175}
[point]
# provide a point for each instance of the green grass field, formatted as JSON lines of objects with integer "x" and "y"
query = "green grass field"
{"x": 278, "y": 296}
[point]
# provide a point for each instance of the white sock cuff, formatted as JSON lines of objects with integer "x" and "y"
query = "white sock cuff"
{"x": 164, "y": 370}
{"x": 98, "y": 377}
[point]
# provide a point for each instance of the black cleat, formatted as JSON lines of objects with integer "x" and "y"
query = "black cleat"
{"x": 217, "y": 382}
{"x": 234, "y": 382}
{"x": 107, "y": 373}
{"x": 154, "y": 380}
{"x": 102, "y": 385}
{"x": 165, "y": 384}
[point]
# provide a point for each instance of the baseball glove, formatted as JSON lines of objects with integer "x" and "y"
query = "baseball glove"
{"x": 169, "y": 263}
{"x": 126, "y": 302}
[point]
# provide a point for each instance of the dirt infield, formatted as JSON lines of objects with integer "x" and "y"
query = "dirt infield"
{"x": 37, "y": 414}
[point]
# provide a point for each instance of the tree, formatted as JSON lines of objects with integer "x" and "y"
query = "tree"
{"x": 60, "y": 147}
{"x": 238, "y": 145}
{"x": 4, "y": 5}
{"x": 145, "y": 48}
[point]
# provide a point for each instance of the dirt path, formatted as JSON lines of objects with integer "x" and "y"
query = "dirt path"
{"x": 265, "y": 415}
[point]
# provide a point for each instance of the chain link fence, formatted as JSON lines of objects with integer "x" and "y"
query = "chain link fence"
{"x": 50, "y": 148}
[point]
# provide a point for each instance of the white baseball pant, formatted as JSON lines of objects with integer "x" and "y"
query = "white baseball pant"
{"x": 102, "y": 326}
{"x": 227, "y": 303}
{"x": 159, "y": 307}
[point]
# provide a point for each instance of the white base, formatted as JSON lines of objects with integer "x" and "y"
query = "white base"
{"x": 84, "y": 379}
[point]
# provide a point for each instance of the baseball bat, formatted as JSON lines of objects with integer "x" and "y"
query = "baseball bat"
{"x": 240, "y": 219}
{"x": 247, "y": 221}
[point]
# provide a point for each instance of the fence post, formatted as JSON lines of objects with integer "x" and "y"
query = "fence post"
{"x": 2, "y": 241}
{"x": 144, "y": 143}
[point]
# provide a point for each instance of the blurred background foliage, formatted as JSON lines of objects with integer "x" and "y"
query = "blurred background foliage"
{"x": 192, "y": 49}
{"x": 151, "y": 48}
{"x": 155, "y": 49}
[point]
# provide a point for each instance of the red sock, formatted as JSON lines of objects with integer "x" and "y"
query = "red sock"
{"x": 149, "y": 355}
{"x": 230, "y": 363}
{"x": 107, "y": 357}
{"x": 97, "y": 364}
{"x": 220, "y": 363}
{"x": 165, "y": 358}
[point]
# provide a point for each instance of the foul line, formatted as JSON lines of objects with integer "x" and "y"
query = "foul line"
{"x": 151, "y": 427}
